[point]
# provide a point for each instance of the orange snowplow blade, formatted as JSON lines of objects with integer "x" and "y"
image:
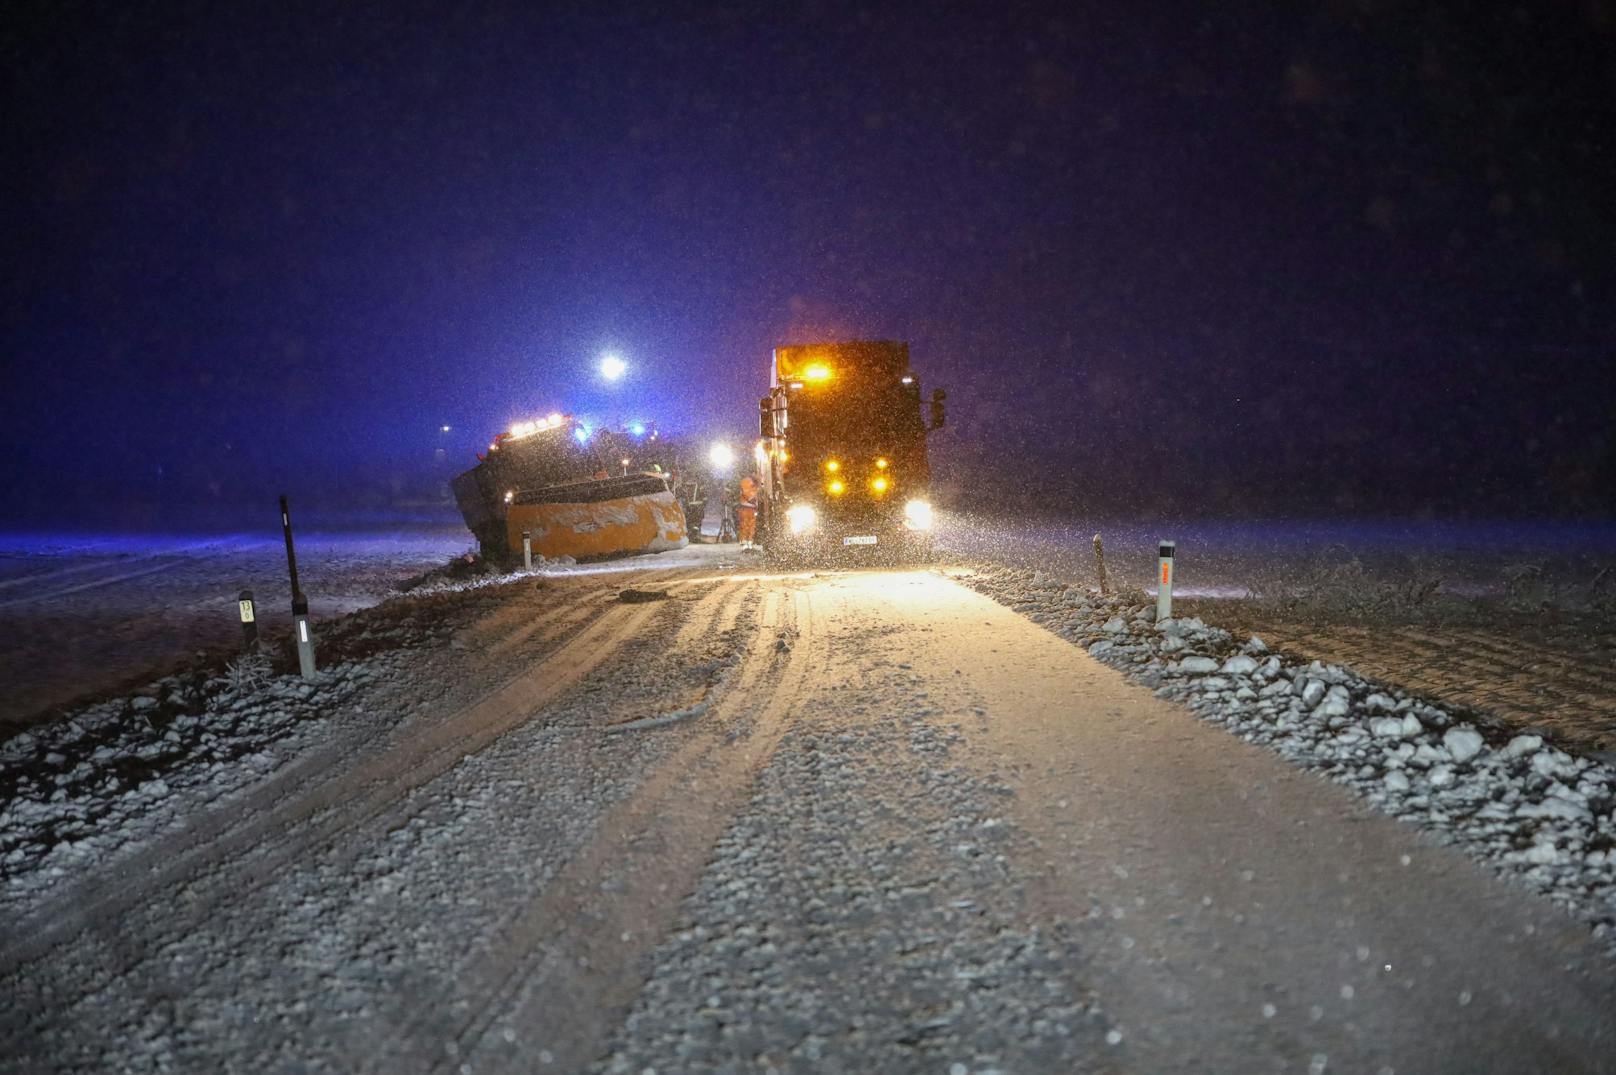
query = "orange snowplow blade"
{"x": 648, "y": 522}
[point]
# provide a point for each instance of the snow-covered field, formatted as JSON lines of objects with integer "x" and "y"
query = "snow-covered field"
{"x": 81, "y": 615}
{"x": 1569, "y": 563}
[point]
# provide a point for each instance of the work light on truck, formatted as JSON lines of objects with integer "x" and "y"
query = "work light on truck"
{"x": 917, "y": 515}
{"x": 800, "y": 518}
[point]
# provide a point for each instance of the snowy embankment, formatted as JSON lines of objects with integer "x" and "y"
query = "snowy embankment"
{"x": 119, "y": 772}
{"x": 1520, "y": 805}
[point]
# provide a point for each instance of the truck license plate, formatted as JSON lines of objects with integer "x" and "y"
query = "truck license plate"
{"x": 869, "y": 539}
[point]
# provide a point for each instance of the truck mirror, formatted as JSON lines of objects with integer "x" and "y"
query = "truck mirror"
{"x": 765, "y": 417}
{"x": 937, "y": 415}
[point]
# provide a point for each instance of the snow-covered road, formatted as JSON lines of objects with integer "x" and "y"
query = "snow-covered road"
{"x": 869, "y": 821}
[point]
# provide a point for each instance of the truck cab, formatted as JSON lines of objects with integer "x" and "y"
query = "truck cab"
{"x": 842, "y": 453}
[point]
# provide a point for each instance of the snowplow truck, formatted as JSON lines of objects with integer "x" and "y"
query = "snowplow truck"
{"x": 842, "y": 454}
{"x": 548, "y": 479}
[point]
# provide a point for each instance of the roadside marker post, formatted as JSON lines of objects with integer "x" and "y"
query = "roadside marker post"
{"x": 291, "y": 553}
{"x": 249, "y": 621}
{"x": 527, "y": 550}
{"x": 305, "y": 641}
{"x": 300, "y": 603}
{"x": 1099, "y": 565}
{"x": 1164, "y": 588}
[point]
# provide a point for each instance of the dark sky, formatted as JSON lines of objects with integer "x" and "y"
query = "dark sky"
{"x": 1274, "y": 258}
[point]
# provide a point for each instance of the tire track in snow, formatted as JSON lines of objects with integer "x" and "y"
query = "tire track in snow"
{"x": 573, "y": 959}
{"x": 520, "y": 613}
{"x": 701, "y": 623}
{"x": 715, "y": 611}
{"x": 246, "y": 842}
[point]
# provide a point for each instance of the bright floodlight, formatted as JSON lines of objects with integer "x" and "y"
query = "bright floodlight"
{"x": 612, "y": 367}
{"x": 721, "y": 456}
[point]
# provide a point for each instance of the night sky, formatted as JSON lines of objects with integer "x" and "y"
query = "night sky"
{"x": 1343, "y": 258}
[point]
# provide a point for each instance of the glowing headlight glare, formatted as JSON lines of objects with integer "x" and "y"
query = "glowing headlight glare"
{"x": 801, "y": 518}
{"x": 917, "y": 514}
{"x": 818, "y": 371}
{"x": 721, "y": 456}
{"x": 836, "y": 488}
{"x": 879, "y": 485}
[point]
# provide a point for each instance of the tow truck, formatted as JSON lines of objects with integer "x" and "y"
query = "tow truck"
{"x": 842, "y": 453}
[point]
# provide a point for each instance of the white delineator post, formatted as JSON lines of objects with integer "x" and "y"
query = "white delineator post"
{"x": 1164, "y": 582}
{"x": 305, "y": 640}
{"x": 300, "y": 604}
{"x": 527, "y": 550}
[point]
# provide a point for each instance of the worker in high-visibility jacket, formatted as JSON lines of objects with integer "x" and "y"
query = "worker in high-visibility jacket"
{"x": 746, "y": 513}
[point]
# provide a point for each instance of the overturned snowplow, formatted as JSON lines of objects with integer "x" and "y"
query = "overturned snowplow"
{"x": 548, "y": 480}
{"x": 636, "y": 513}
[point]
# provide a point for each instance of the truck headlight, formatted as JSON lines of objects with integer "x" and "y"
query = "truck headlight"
{"x": 801, "y": 519}
{"x": 917, "y": 515}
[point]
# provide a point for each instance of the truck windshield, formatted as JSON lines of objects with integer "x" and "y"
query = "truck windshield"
{"x": 882, "y": 419}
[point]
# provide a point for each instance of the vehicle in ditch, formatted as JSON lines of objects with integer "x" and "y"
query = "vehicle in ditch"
{"x": 573, "y": 491}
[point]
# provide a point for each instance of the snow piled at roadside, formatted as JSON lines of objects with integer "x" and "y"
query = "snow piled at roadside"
{"x": 1532, "y": 811}
{"x": 118, "y": 772}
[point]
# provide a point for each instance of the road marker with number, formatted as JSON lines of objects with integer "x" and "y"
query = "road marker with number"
{"x": 249, "y": 621}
